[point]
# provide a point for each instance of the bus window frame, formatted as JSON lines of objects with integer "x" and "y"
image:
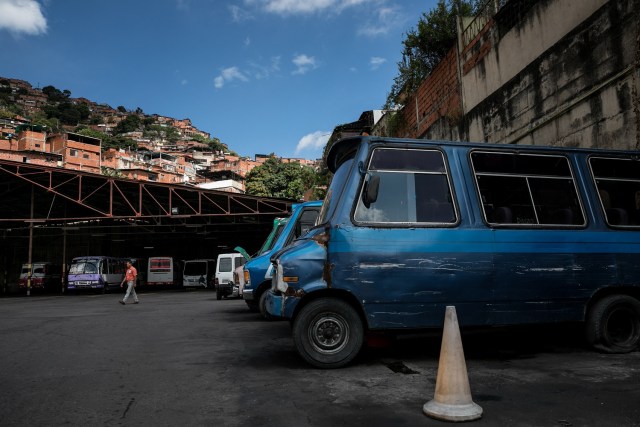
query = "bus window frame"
{"x": 358, "y": 203}
{"x": 527, "y": 176}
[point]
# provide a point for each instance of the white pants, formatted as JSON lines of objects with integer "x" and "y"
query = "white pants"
{"x": 130, "y": 290}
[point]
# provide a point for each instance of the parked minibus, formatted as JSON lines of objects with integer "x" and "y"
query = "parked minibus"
{"x": 198, "y": 273}
{"x": 43, "y": 275}
{"x": 96, "y": 272}
{"x": 163, "y": 272}
{"x": 507, "y": 234}
{"x": 258, "y": 271}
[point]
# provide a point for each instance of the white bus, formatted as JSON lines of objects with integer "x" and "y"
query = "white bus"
{"x": 163, "y": 272}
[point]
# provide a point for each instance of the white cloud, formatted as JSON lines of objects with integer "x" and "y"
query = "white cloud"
{"x": 375, "y": 62}
{"x": 384, "y": 19}
{"x": 304, "y": 63}
{"x": 228, "y": 75}
{"x": 22, "y": 17}
{"x": 239, "y": 14}
{"x": 313, "y": 141}
{"x": 300, "y": 7}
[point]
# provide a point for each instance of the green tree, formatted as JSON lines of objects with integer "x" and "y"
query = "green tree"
{"x": 215, "y": 144}
{"x": 52, "y": 124}
{"x": 68, "y": 115}
{"x": 109, "y": 141}
{"x": 56, "y": 95}
{"x": 5, "y": 113}
{"x": 199, "y": 138}
{"x": 172, "y": 135}
{"x": 159, "y": 133}
{"x": 425, "y": 46}
{"x": 274, "y": 178}
{"x": 119, "y": 141}
{"x": 6, "y": 95}
{"x": 131, "y": 123}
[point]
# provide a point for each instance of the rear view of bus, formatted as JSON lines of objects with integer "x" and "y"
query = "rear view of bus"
{"x": 198, "y": 273}
{"x": 162, "y": 272}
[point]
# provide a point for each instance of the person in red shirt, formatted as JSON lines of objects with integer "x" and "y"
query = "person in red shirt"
{"x": 130, "y": 277}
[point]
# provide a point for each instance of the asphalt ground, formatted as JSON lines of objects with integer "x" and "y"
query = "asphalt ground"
{"x": 186, "y": 359}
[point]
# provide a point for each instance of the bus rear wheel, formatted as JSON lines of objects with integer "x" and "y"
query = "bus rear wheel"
{"x": 328, "y": 333}
{"x": 613, "y": 324}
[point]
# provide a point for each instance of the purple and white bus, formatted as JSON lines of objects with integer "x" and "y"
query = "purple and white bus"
{"x": 96, "y": 272}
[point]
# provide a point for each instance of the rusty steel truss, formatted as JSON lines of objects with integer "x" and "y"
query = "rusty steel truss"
{"x": 62, "y": 196}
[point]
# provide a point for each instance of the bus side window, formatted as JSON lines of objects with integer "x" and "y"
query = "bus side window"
{"x": 618, "y": 184}
{"x": 522, "y": 189}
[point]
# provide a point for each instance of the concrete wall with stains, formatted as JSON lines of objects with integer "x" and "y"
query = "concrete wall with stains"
{"x": 566, "y": 74}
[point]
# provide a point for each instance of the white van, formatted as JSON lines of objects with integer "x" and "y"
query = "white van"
{"x": 225, "y": 267}
{"x": 198, "y": 273}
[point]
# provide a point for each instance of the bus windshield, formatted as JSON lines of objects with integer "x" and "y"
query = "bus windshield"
{"x": 337, "y": 184}
{"x": 84, "y": 267}
{"x": 273, "y": 236}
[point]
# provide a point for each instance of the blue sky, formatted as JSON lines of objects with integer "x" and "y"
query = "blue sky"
{"x": 262, "y": 75}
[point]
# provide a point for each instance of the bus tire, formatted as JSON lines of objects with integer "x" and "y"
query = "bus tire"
{"x": 613, "y": 324}
{"x": 253, "y": 306}
{"x": 328, "y": 333}
{"x": 262, "y": 306}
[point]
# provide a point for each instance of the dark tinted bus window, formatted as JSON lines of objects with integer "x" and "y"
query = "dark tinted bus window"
{"x": 527, "y": 189}
{"x": 307, "y": 220}
{"x": 618, "y": 183}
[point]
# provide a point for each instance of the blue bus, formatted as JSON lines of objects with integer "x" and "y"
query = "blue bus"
{"x": 258, "y": 271}
{"x": 101, "y": 273}
{"x": 507, "y": 234}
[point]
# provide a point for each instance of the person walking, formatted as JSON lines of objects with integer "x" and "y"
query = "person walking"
{"x": 130, "y": 277}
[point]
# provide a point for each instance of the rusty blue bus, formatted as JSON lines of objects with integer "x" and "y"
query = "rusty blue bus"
{"x": 508, "y": 234}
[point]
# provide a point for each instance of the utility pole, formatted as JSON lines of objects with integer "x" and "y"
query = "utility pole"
{"x": 29, "y": 261}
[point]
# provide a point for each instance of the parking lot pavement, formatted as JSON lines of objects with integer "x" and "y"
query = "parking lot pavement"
{"x": 184, "y": 358}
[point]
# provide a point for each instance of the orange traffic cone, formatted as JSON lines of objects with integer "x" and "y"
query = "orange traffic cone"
{"x": 452, "y": 400}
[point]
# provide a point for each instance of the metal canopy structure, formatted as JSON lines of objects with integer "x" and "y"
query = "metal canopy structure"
{"x": 63, "y": 196}
{"x": 54, "y": 214}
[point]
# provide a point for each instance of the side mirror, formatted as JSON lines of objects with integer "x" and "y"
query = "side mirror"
{"x": 370, "y": 193}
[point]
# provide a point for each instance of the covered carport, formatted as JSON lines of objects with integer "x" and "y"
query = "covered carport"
{"x": 56, "y": 214}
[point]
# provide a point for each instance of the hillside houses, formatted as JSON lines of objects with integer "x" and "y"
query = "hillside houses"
{"x": 158, "y": 159}
{"x": 179, "y": 165}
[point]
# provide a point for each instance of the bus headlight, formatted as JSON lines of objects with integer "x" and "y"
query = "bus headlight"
{"x": 281, "y": 285}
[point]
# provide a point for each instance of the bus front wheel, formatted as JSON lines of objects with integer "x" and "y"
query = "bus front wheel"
{"x": 262, "y": 306}
{"x": 253, "y": 306}
{"x": 328, "y": 333}
{"x": 613, "y": 324}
